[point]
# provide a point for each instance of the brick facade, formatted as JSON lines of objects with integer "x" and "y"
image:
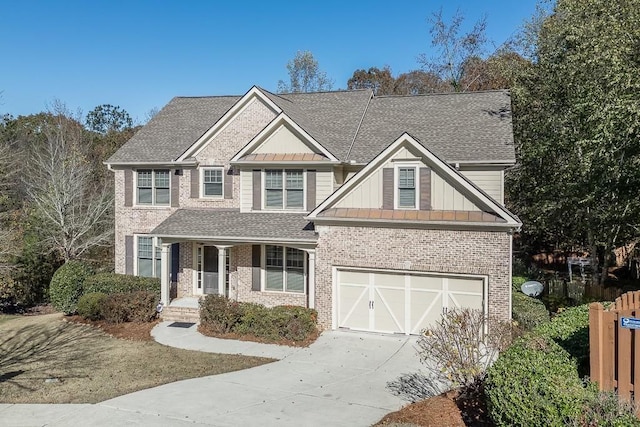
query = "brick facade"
{"x": 442, "y": 251}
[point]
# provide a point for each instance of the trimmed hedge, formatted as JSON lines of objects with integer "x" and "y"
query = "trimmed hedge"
{"x": 138, "y": 306}
{"x": 537, "y": 381}
{"x": 111, "y": 283}
{"x": 220, "y": 315}
{"x": 90, "y": 305}
{"x": 529, "y": 312}
{"x": 67, "y": 286}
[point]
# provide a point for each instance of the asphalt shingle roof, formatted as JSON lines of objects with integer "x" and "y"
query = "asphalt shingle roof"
{"x": 470, "y": 126}
{"x": 231, "y": 224}
{"x": 174, "y": 129}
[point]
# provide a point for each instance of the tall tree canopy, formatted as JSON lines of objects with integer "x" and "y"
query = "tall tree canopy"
{"x": 305, "y": 75}
{"x": 107, "y": 118}
{"x": 577, "y": 127}
{"x": 381, "y": 81}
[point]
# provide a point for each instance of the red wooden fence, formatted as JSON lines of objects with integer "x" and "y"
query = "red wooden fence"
{"x": 614, "y": 350}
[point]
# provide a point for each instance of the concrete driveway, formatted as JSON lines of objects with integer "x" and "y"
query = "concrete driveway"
{"x": 338, "y": 381}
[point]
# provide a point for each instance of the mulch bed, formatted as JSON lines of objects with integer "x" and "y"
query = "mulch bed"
{"x": 231, "y": 336}
{"x": 128, "y": 330}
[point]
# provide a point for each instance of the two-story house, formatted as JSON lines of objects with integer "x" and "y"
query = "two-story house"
{"x": 381, "y": 212}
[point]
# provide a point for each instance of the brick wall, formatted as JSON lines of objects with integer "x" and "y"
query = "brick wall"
{"x": 443, "y": 251}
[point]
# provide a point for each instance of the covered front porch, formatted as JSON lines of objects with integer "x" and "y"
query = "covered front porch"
{"x": 267, "y": 258}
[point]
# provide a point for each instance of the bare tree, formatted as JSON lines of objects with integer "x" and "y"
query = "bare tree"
{"x": 73, "y": 209}
{"x": 454, "y": 48}
{"x": 8, "y": 160}
{"x": 305, "y": 75}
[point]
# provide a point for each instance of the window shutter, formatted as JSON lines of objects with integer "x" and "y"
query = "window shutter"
{"x": 311, "y": 190}
{"x": 257, "y": 189}
{"x": 128, "y": 187}
{"x": 195, "y": 183}
{"x": 128, "y": 254}
{"x": 387, "y": 188}
{"x": 425, "y": 189}
{"x": 228, "y": 184}
{"x": 255, "y": 263}
{"x": 175, "y": 188}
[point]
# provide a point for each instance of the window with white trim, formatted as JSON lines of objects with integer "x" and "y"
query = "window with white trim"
{"x": 153, "y": 187}
{"x": 284, "y": 269}
{"x": 406, "y": 186}
{"x": 212, "y": 182}
{"x": 149, "y": 254}
{"x": 284, "y": 189}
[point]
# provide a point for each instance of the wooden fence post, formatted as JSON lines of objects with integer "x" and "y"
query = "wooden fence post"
{"x": 596, "y": 330}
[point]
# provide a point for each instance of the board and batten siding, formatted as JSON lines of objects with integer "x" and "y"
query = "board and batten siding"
{"x": 324, "y": 184}
{"x": 445, "y": 197}
{"x": 246, "y": 190}
{"x": 367, "y": 195}
{"x": 490, "y": 181}
{"x": 283, "y": 140}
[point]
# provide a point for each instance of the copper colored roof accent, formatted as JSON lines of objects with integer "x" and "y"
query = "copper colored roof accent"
{"x": 412, "y": 215}
{"x": 283, "y": 157}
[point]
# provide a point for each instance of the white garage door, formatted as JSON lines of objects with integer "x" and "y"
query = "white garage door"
{"x": 402, "y": 302}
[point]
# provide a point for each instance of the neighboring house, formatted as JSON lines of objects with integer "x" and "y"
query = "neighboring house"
{"x": 381, "y": 212}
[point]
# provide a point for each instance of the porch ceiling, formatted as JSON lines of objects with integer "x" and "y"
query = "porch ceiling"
{"x": 232, "y": 225}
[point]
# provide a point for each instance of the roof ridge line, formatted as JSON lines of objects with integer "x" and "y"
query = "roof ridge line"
{"x": 355, "y": 135}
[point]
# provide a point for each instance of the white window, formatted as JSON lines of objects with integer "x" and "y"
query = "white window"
{"x": 284, "y": 269}
{"x": 406, "y": 187}
{"x": 212, "y": 182}
{"x": 284, "y": 189}
{"x": 149, "y": 252}
{"x": 153, "y": 187}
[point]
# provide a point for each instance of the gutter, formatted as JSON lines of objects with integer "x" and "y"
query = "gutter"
{"x": 400, "y": 223}
{"x": 173, "y": 164}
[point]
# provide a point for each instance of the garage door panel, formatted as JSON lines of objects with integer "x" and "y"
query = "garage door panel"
{"x": 429, "y": 283}
{"x": 404, "y": 302}
{"x": 425, "y": 309}
{"x": 354, "y": 306}
{"x": 389, "y": 306}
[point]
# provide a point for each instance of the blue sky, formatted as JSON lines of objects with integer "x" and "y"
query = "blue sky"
{"x": 140, "y": 54}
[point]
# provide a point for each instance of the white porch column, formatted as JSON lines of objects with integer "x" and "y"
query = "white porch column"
{"x": 311, "y": 267}
{"x": 165, "y": 280}
{"x": 222, "y": 268}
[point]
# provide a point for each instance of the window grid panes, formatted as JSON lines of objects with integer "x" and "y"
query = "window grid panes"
{"x": 149, "y": 256}
{"x": 153, "y": 187}
{"x": 407, "y": 187}
{"x": 284, "y": 269}
{"x": 284, "y": 189}
{"x": 213, "y": 182}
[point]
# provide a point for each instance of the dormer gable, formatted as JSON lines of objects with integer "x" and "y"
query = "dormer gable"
{"x": 283, "y": 140}
{"x": 255, "y": 94}
{"x": 406, "y": 182}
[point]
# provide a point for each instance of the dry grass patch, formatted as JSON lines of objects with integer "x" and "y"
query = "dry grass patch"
{"x": 44, "y": 359}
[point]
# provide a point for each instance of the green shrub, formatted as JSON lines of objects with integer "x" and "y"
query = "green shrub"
{"x": 293, "y": 323}
{"x": 537, "y": 380}
{"x": 138, "y": 306}
{"x": 90, "y": 305}
{"x": 219, "y": 314}
{"x": 110, "y": 283}
{"x": 518, "y": 281}
{"x": 570, "y": 329}
{"x": 534, "y": 383}
{"x": 529, "y": 312}
{"x": 66, "y": 286}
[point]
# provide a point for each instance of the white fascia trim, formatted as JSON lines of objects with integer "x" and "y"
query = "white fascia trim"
{"x": 438, "y": 163}
{"x": 282, "y": 119}
{"x": 403, "y": 223}
{"x": 174, "y": 164}
{"x": 232, "y": 240}
{"x": 219, "y": 126}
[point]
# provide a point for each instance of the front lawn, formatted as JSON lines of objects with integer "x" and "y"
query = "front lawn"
{"x": 44, "y": 359}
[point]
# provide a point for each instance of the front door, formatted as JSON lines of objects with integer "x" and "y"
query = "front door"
{"x": 207, "y": 270}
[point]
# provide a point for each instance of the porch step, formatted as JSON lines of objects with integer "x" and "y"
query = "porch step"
{"x": 181, "y": 314}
